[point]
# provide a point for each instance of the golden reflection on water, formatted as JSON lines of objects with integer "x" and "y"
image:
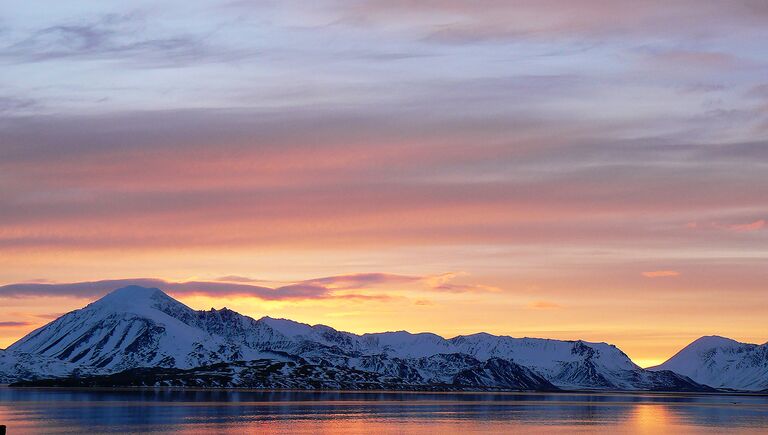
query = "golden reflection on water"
{"x": 637, "y": 419}
{"x": 652, "y": 419}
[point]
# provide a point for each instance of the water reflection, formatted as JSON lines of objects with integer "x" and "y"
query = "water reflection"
{"x": 222, "y": 411}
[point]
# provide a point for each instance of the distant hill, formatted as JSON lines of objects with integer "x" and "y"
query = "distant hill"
{"x": 722, "y": 363}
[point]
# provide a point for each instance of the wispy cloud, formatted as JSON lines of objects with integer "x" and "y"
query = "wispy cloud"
{"x": 70, "y": 185}
{"x": 96, "y": 289}
{"x": 363, "y": 280}
{"x": 446, "y": 282}
{"x": 544, "y": 305}
{"x": 16, "y": 105}
{"x": 117, "y": 36}
{"x": 351, "y": 287}
{"x": 462, "y": 22}
{"x": 11, "y": 324}
{"x": 49, "y": 316}
{"x": 752, "y": 226}
{"x": 731, "y": 227}
{"x": 237, "y": 278}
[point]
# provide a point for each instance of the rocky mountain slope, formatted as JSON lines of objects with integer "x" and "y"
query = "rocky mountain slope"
{"x": 494, "y": 374}
{"x": 136, "y": 327}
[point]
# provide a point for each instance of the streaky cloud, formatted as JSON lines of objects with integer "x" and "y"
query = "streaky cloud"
{"x": 330, "y": 287}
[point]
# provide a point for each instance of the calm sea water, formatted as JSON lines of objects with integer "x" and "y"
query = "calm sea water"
{"x": 235, "y": 412}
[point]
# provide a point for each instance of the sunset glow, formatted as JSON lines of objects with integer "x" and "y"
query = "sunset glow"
{"x": 597, "y": 172}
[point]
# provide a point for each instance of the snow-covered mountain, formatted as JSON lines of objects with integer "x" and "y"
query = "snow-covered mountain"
{"x": 572, "y": 364}
{"x": 136, "y": 327}
{"x": 722, "y": 363}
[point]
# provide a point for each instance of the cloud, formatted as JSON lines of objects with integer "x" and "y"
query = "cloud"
{"x": 14, "y": 324}
{"x": 113, "y": 36}
{"x": 153, "y": 179}
{"x": 697, "y": 59}
{"x": 661, "y": 274}
{"x": 96, "y": 289}
{"x": 753, "y": 226}
{"x": 414, "y": 130}
{"x": 544, "y": 305}
{"x": 15, "y": 105}
{"x": 350, "y": 287}
{"x": 49, "y": 316}
{"x": 236, "y": 278}
{"x": 695, "y": 64}
{"x": 363, "y": 280}
{"x": 444, "y": 282}
{"x": 455, "y": 21}
{"x": 756, "y": 225}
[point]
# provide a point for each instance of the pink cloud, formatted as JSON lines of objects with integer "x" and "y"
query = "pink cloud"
{"x": 456, "y": 21}
{"x": 739, "y": 228}
{"x": 754, "y": 226}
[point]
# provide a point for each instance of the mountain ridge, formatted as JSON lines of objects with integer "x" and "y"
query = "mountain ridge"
{"x": 138, "y": 327}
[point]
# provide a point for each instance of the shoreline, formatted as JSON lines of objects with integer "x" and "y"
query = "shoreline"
{"x": 412, "y": 392}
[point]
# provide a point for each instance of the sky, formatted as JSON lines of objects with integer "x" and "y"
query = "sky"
{"x": 587, "y": 169}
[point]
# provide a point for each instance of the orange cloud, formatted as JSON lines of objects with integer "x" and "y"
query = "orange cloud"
{"x": 444, "y": 282}
{"x": 661, "y": 273}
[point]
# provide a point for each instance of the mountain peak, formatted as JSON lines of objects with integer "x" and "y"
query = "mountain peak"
{"x": 134, "y": 296}
{"x": 710, "y": 341}
{"x": 721, "y": 362}
{"x": 687, "y": 355}
{"x": 133, "y": 293}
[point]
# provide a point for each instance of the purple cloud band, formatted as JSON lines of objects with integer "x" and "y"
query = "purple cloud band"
{"x": 14, "y": 324}
{"x": 94, "y": 289}
{"x": 319, "y": 288}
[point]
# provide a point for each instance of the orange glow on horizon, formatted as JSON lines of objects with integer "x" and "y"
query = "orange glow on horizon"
{"x": 419, "y": 307}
